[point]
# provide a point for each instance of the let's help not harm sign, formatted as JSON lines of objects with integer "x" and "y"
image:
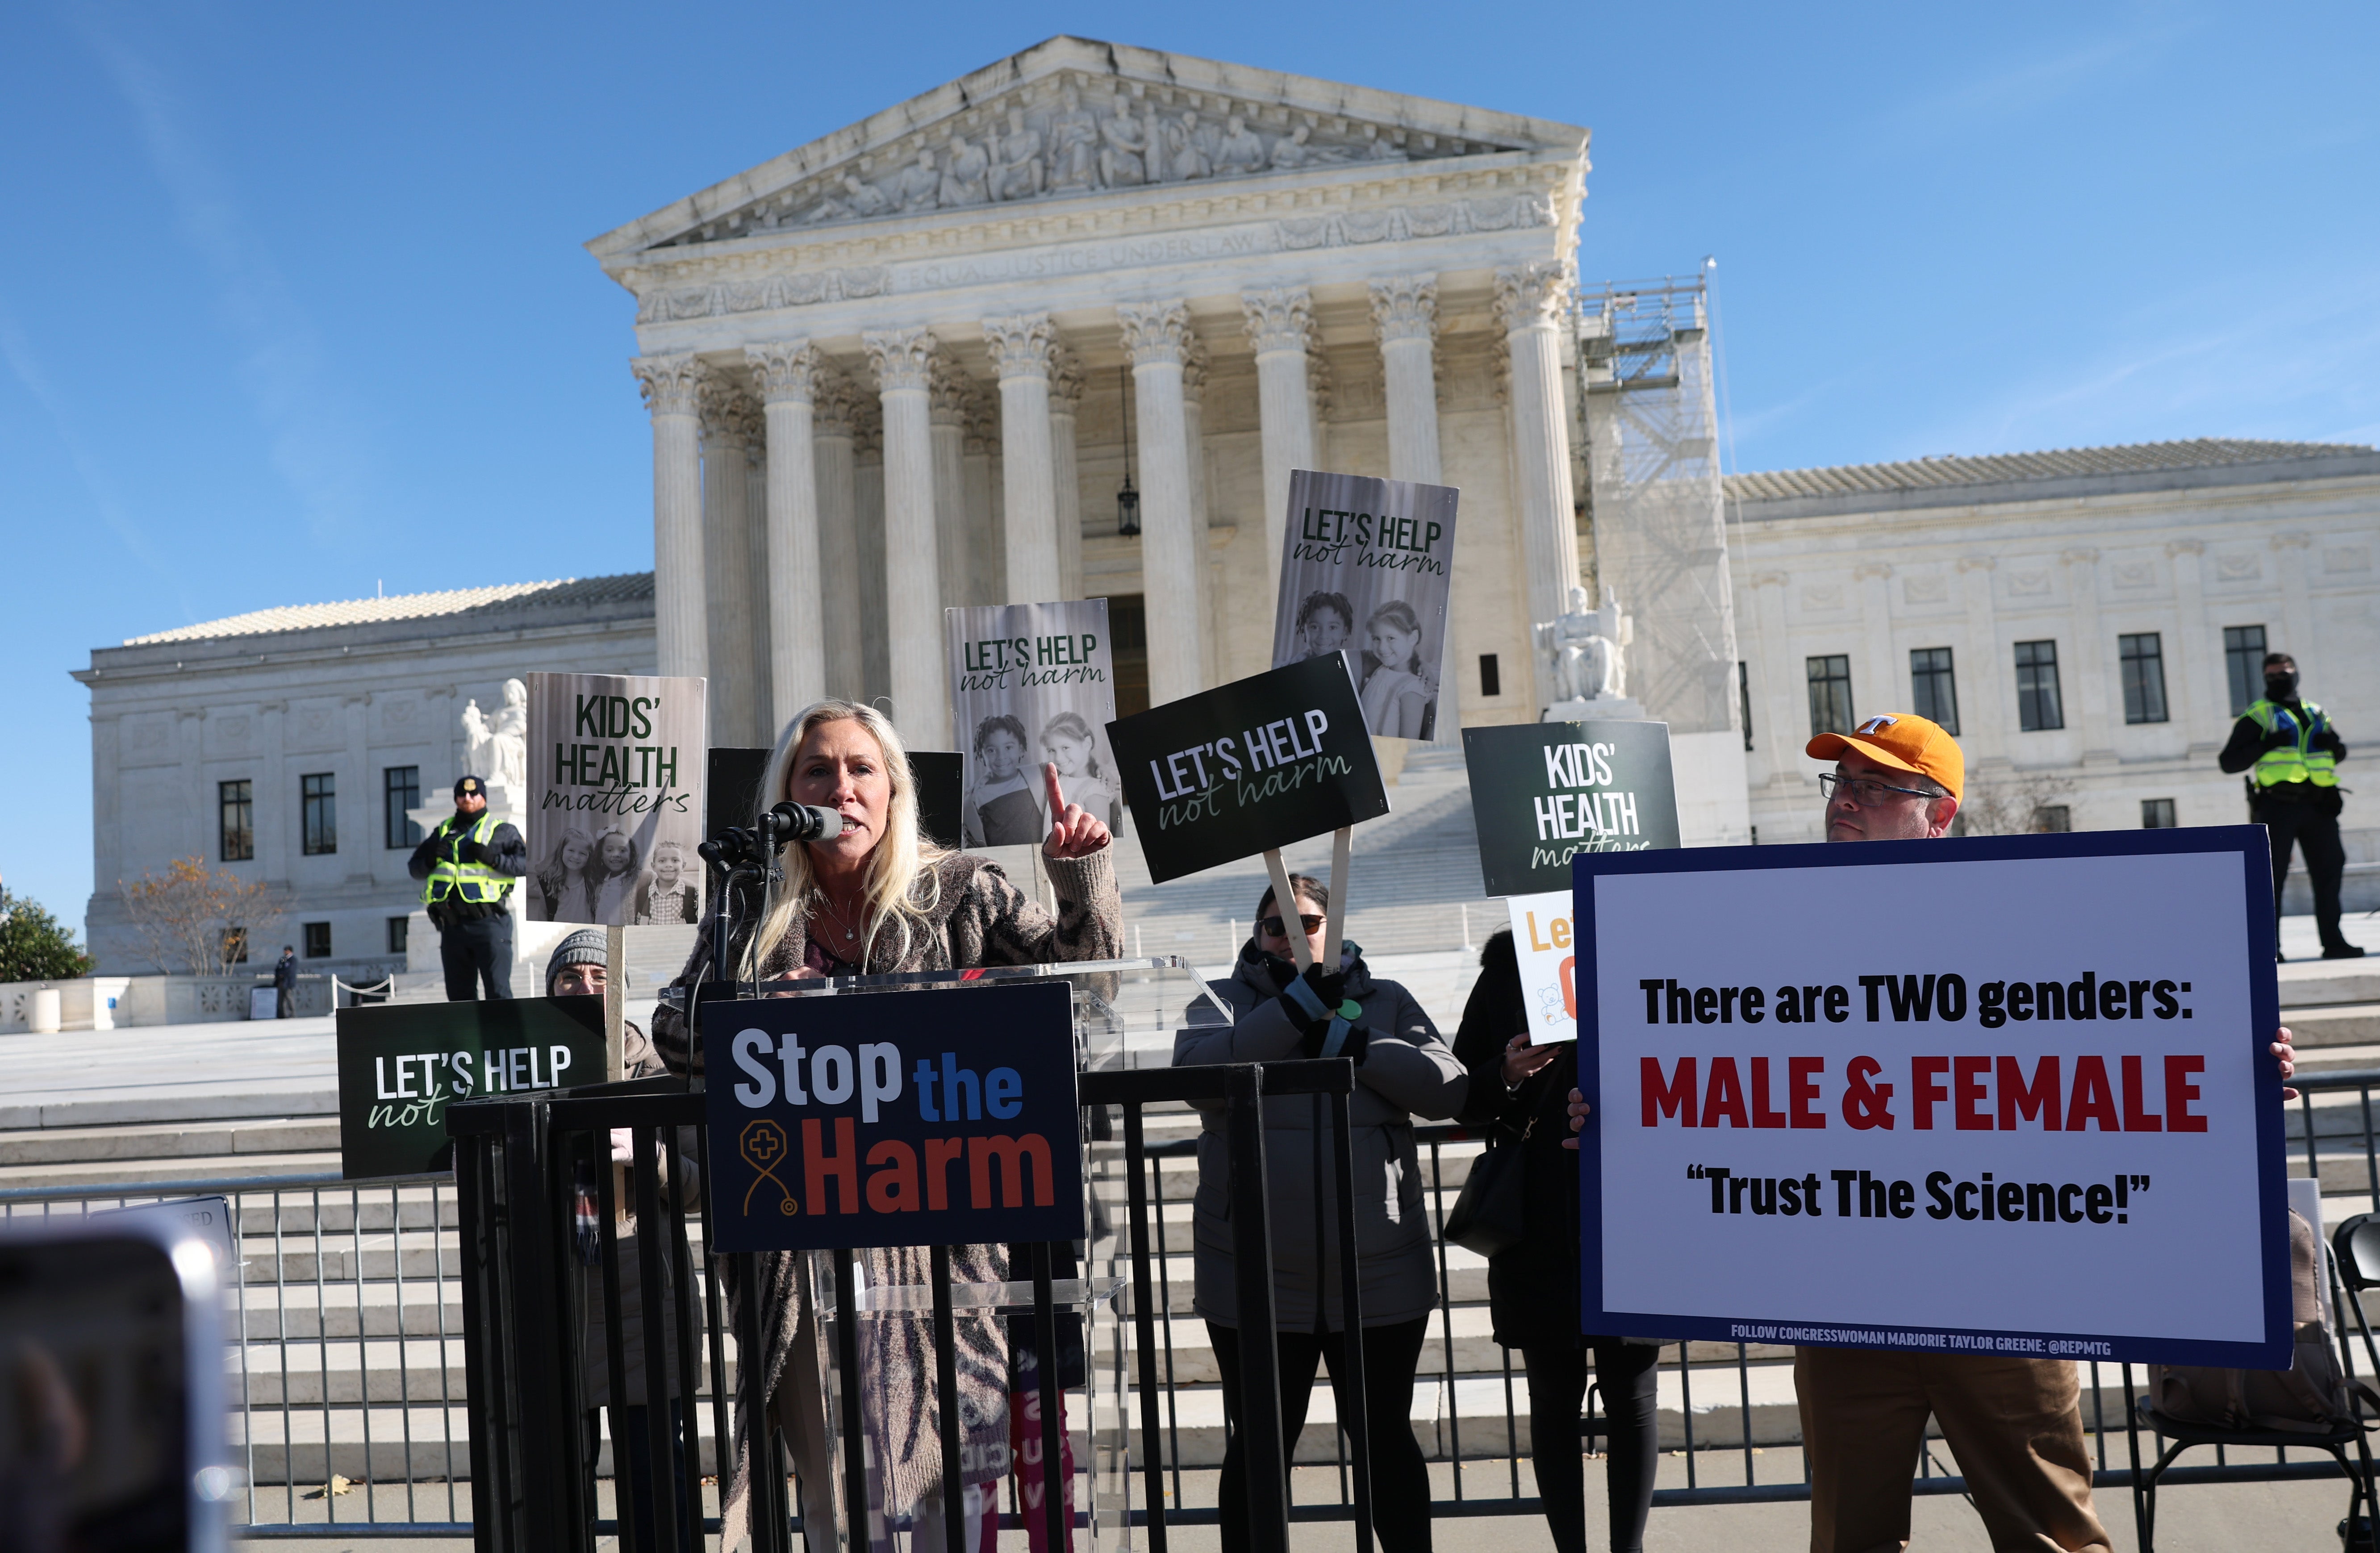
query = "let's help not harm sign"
{"x": 1987, "y": 1095}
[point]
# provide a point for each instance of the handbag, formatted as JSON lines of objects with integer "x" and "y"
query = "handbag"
{"x": 1486, "y": 1216}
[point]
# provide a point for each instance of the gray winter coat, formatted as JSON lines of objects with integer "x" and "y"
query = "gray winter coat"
{"x": 1408, "y": 1072}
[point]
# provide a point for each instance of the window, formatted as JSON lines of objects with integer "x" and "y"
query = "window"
{"x": 319, "y": 798}
{"x": 1933, "y": 691}
{"x": 1743, "y": 698}
{"x": 2053, "y": 819}
{"x": 2157, "y": 813}
{"x": 233, "y": 943}
{"x": 1830, "y": 693}
{"x": 236, "y": 806}
{"x": 400, "y": 791}
{"x": 1491, "y": 679}
{"x": 2243, "y": 654}
{"x": 2037, "y": 706}
{"x": 2143, "y": 661}
{"x": 318, "y": 940}
{"x": 396, "y": 934}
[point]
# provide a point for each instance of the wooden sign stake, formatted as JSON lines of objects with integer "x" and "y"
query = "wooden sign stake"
{"x": 1335, "y": 917}
{"x": 615, "y": 1000}
{"x": 1285, "y": 903}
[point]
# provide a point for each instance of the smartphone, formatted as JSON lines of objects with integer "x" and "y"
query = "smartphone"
{"x": 112, "y": 1387}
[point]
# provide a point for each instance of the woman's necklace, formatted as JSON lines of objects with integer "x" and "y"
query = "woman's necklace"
{"x": 850, "y": 932}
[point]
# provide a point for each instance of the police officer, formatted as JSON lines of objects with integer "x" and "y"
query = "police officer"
{"x": 468, "y": 865}
{"x": 2292, "y": 754}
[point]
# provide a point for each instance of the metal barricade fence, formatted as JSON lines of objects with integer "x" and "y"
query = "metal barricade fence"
{"x": 351, "y": 1314}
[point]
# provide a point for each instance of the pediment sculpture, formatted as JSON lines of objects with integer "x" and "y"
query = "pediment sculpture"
{"x": 1037, "y": 145}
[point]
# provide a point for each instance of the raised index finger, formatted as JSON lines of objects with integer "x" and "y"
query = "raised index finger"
{"x": 1057, "y": 797}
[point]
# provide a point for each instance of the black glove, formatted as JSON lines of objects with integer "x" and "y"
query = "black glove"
{"x": 1316, "y": 1002}
{"x": 2274, "y": 738}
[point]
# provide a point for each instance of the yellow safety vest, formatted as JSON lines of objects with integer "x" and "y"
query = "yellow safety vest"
{"x": 2299, "y": 762}
{"x": 451, "y": 877}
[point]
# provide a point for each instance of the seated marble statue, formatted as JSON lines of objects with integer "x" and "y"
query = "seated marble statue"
{"x": 1243, "y": 150}
{"x": 1017, "y": 174}
{"x": 1120, "y": 159}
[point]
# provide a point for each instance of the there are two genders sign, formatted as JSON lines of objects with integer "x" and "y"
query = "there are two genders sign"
{"x": 1981, "y": 1096}
{"x": 935, "y": 1117}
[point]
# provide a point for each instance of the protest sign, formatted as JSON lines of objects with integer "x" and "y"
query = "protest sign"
{"x": 1542, "y": 792}
{"x": 615, "y": 799}
{"x": 941, "y": 1116}
{"x": 1032, "y": 684}
{"x": 402, "y": 1064}
{"x": 1248, "y": 766}
{"x": 2007, "y": 1094}
{"x": 1367, "y": 567}
{"x": 1548, "y": 957}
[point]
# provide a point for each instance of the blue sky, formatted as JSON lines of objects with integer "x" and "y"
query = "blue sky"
{"x": 293, "y": 301}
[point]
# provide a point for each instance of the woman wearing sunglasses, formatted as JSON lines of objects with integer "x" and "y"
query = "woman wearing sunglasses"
{"x": 1403, "y": 1070}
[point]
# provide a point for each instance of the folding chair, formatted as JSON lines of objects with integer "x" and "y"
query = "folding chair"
{"x": 2358, "y": 1274}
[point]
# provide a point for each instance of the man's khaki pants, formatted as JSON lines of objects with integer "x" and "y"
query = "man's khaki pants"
{"x": 2014, "y": 1425}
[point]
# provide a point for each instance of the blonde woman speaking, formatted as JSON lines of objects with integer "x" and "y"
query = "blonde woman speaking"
{"x": 880, "y": 898}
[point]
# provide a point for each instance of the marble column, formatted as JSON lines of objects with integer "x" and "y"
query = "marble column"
{"x": 1530, "y": 306}
{"x": 2091, "y": 709}
{"x": 833, "y": 412}
{"x": 672, "y": 386}
{"x": 2201, "y": 690}
{"x": 1021, "y": 349}
{"x": 757, "y": 658}
{"x": 946, "y": 391}
{"x": 903, "y": 363}
{"x": 1986, "y": 695}
{"x": 868, "y": 492}
{"x": 726, "y": 612}
{"x": 1157, "y": 337}
{"x": 787, "y": 373}
{"x": 1404, "y": 315}
{"x": 1193, "y": 437}
{"x": 1281, "y": 326}
{"x": 1066, "y": 479}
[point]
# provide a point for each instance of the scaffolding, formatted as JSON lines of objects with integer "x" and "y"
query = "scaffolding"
{"x": 1653, "y": 493}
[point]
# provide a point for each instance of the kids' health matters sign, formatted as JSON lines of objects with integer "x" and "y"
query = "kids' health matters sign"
{"x": 1959, "y": 1096}
{"x": 934, "y": 1117}
{"x": 1258, "y": 763}
{"x": 1032, "y": 685}
{"x": 1542, "y": 793}
{"x": 1366, "y": 568}
{"x": 615, "y": 769}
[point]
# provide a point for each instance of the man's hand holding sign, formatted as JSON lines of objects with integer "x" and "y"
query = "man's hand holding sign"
{"x": 1919, "y": 1089}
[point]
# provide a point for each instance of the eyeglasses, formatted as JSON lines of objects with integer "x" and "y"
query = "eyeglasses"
{"x": 1866, "y": 792}
{"x": 1272, "y": 928}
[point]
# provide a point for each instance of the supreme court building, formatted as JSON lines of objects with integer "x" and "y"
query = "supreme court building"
{"x": 911, "y": 364}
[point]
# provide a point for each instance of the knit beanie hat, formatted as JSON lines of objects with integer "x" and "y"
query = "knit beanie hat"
{"x": 585, "y": 947}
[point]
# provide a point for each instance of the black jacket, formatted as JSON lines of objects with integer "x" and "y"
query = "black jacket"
{"x": 284, "y": 973}
{"x": 1533, "y": 1287}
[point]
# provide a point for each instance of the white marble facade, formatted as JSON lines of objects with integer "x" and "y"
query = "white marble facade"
{"x": 887, "y": 370}
{"x": 348, "y": 691}
{"x": 2080, "y": 548}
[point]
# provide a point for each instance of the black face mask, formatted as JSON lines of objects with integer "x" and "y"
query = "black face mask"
{"x": 2280, "y": 687}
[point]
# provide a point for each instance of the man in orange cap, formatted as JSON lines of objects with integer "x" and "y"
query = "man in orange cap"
{"x": 2015, "y": 1425}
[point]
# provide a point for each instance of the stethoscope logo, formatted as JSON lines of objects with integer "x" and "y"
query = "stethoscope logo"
{"x": 763, "y": 1146}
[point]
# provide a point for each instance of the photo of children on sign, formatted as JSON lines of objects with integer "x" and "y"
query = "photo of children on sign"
{"x": 1368, "y": 568}
{"x": 1034, "y": 685}
{"x": 614, "y": 798}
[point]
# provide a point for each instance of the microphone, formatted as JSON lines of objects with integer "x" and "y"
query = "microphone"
{"x": 799, "y": 822}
